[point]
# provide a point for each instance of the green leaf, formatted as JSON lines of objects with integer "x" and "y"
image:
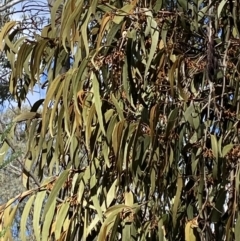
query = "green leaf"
{"x": 177, "y": 199}
{"x": 54, "y": 192}
{"x": 118, "y": 18}
{"x": 202, "y": 13}
{"x": 114, "y": 228}
{"x": 98, "y": 101}
{"x": 118, "y": 107}
{"x": 110, "y": 220}
{"x": 153, "y": 180}
{"x": 23, "y": 53}
{"x": 85, "y": 24}
{"x": 45, "y": 113}
{"x": 26, "y": 116}
{"x": 220, "y": 8}
{"x": 94, "y": 197}
{"x": 128, "y": 196}
{"x": 183, "y": 4}
{"x": 4, "y": 31}
{"x": 117, "y": 136}
{"x": 36, "y": 57}
{"x": 89, "y": 125}
{"x": 54, "y": 110}
{"x": 24, "y": 217}
{"x": 47, "y": 221}
{"x": 8, "y": 217}
{"x": 158, "y": 5}
{"x": 126, "y": 231}
{"x": 164, "y": 34}
{"x": 161, "y": 230}
{"x": 214, "y": 144}
{"x": 36, "y": 213}
{"x": 110, "y": 36}
{"x": 172, "y": 118}
{"x": 190, "y": 212}
{"x": 60, "y": 218}
{"x": 220, "y": 146}
{"x": 155, "y": 38}
{"x": 237, "y": 229}
{"x": 69, "y": 28}
{"x": 226, "y": 149}
{"x": 110, "y": 195}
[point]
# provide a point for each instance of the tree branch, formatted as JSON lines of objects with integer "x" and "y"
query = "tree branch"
{"x": 10, "y": 4}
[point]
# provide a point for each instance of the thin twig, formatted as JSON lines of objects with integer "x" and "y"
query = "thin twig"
{"x": 224, "y": 76}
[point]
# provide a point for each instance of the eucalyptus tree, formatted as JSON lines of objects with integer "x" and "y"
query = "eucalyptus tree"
{"x": 30, "y": 20}
{"x": 4, "y": 71}
{"x": 138, "y": 137}
{"x": 10, "y": 168}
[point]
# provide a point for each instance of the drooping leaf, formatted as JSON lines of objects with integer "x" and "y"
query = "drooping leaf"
{"x": 177, "y": 199}
{"x": 60, "y": 218}
{"x": 24, "y": 217}
{"x": 172, "y": 118}
{"x": 4, "y": 31}
{"x": 220, "y": 7}
{"x": 36, "y": 213}
{"x": 53, "y": 195}
{"x": 98, "y": 101}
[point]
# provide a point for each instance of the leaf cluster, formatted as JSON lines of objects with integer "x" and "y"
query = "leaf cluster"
{"x": 138, "y": 137}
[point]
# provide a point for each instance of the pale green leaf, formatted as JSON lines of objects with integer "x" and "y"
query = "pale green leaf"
{"x": 220, "y": 7}
{"x": 54, "y": 192}
{"x": 226, "y": 149}
{"x": 98, "y": 101}
{"x": 60, "y": 218}
{"x": 24, "y": 217}
{"x": 36, "y": 213}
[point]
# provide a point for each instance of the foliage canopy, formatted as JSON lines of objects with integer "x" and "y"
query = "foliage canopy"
{"x": 138, "y": 138}
{"x": 4, "y": 68}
